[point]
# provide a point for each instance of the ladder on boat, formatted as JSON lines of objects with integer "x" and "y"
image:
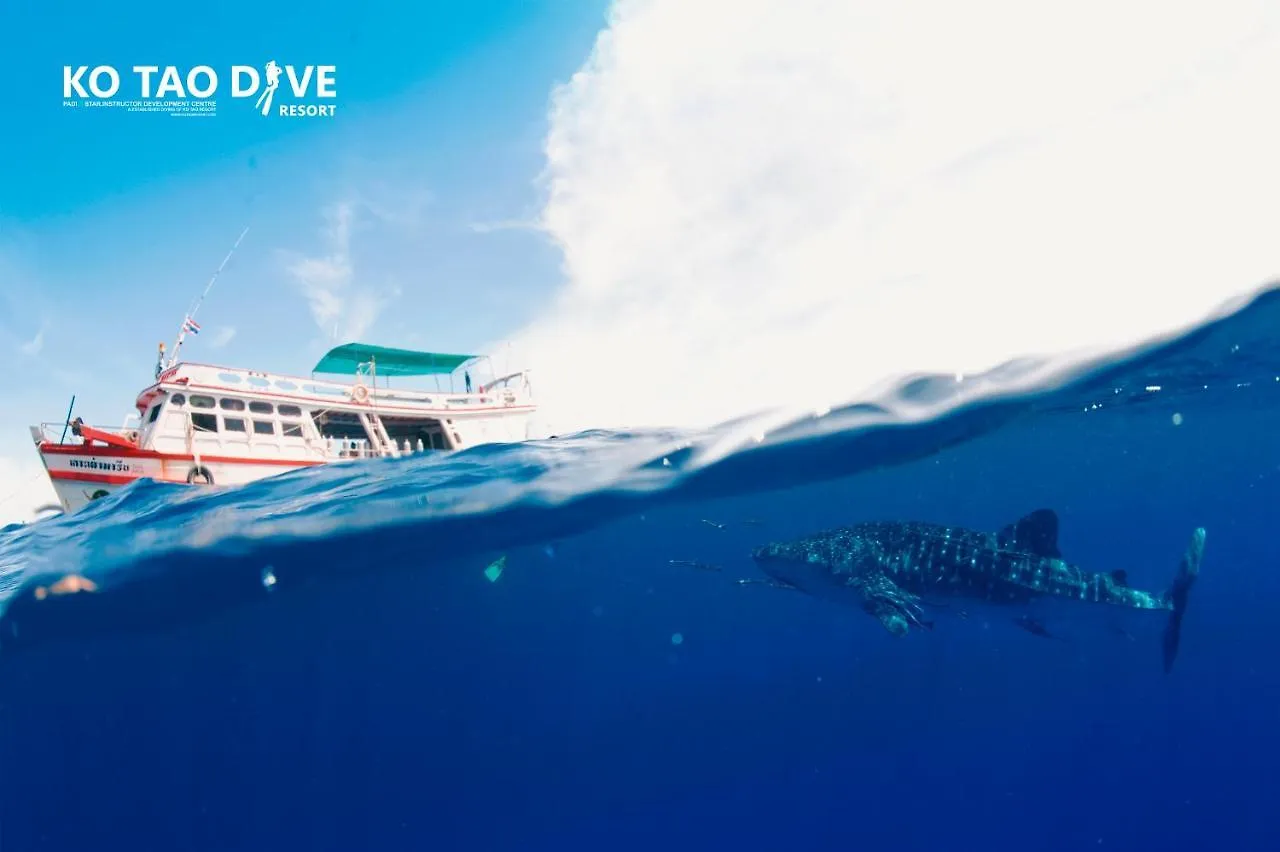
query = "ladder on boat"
{"x": 374, "y": 426}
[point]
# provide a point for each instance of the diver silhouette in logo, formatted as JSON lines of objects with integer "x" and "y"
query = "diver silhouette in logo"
{"x": 273, "y": 83}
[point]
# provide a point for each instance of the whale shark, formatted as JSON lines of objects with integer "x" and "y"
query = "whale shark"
{"x": 896, "y": 570}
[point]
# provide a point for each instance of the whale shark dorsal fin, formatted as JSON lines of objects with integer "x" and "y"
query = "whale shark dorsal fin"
{"x": 1034, "y": 533}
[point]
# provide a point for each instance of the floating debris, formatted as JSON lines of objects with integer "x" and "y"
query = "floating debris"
{"x": 693, "y": 563}
{"x": 713, "y": 524}
{"x": 68, "y": 585}
{"x": 495, "y": 569}
{"x": 268, "y": 578}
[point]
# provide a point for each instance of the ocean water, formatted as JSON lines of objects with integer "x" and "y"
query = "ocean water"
{"x": 319, "y": 661}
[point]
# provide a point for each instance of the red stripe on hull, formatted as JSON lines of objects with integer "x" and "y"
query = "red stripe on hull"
{"x": 103, "y": 478}
{"x": 117, "y": 452}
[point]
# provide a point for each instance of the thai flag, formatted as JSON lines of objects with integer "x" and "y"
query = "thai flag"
{"x": 190, "y": 325}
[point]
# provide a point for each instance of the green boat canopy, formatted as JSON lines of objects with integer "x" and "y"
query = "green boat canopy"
{"x": 349, "y": 358}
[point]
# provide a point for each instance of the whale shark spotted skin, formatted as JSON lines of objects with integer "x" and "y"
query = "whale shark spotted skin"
{"x": 889, "y": 568}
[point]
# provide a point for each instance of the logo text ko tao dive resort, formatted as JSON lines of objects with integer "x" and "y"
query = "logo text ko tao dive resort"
{"x": 301, "y": 91}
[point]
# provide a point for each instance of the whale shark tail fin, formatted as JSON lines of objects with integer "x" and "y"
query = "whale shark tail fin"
{"x": 1177, "y": 596}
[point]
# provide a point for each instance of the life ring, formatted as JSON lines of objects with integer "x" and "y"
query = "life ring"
{"x": 198, "y": 472}
{"x": 360, "y": 393}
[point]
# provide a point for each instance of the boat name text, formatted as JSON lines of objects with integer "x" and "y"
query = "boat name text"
{"x": 114, "y": 466}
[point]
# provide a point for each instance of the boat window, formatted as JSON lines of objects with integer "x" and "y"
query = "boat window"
{"x": 290, "y": 411}
{"x": 257, "y": 382}
{"x": 202, "y": 401}
{"x": 233, "y": 424}
{"x": 283, "y": 385}
{"x": 292, "y": 430}
{"x": 155, "y": 412}
{"x": 264, "y": 427}
{"x": 178, "y": 399}
{"x": 204, "y": 422}
{"x": 231, "y": 404}
{"x": 260, "y": 407}
{"x": 229, "y": 378}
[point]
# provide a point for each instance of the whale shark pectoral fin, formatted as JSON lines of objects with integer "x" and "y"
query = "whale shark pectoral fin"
{"x": 1035, "y": 533}
{"x": 894, "y": 622}
{"x": 896, "y": 609}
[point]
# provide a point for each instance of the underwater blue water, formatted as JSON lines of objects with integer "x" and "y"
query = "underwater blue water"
{"x": 318, "y": 661}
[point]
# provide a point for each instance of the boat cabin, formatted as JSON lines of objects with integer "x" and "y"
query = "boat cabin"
{"x": 202, "y": 409}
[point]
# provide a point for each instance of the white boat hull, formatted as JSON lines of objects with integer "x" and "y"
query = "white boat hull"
{"x": 81, "y": 474}
{"x": 204, "y": 425}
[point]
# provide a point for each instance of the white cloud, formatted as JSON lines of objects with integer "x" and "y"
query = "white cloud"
{"x": 341, "y": 309}
{"x": 24, "y": 487}
{"x": 765, "y": 203}
{"x": 21, "y": 302}
{"x": 402, "y": 207}
{"x": 222, "y": 337}
{"x": 33, "y": 346}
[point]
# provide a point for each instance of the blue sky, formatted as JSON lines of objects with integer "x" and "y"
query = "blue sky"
{"x": 110, "y": 222}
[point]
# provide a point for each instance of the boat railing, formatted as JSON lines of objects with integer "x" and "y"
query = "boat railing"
{"x": 338, "y": 449}
{"x": 521, "y": 376}
{"x": 52, "y": 432}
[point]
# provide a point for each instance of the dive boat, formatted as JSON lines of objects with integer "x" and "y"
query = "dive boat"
{"x": 199, "y": 424}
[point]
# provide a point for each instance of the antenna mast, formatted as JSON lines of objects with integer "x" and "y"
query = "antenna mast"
{"x": 190, "y": 316}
